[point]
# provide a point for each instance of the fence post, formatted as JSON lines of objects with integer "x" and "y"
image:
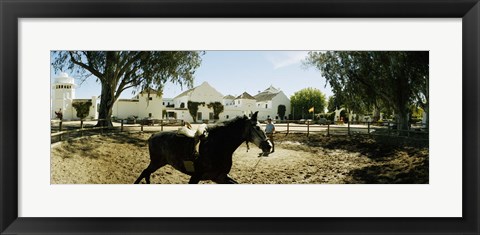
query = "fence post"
{"x": 161, "y": 125}
{"x": 288, "y": 127}
{"x": 81, "y": 127}
{"x": 308, "y": 128}
{"x": 328, "y": 129}
{"x": 60, "y": 130}
{"x": 121, "y": 125}
{"x": 368, "y": 130}
{"x": 141, "y": 127}
{"x": 348, "y": 127}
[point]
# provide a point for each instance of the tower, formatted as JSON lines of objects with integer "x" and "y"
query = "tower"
{"x": 63, "y": 93}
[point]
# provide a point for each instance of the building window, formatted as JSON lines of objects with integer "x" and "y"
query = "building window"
{"x": 163, "y": 103}
{"x": 266, "y": 105}
{"x": 149, "y": 115}
{"x": 227, "y": 117}
{"x": 150, "y": 98}
{"x": 199, "y": 116}
{"x": 210, "y": 116}
{"x": 182, "y": 105}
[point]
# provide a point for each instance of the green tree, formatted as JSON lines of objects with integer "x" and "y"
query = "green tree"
{"x": 193, "y": 109}
{"x": 164, "y": 114}
{"x": 217, "y": 109}
{"x": 281, "y": 110}
{"x": 376, "y": 79}
{"x": 82, "y": 108}
{"x": 331, "y": 105}
{"x": 301, "y": 101}
{"x": 119, "y": 70}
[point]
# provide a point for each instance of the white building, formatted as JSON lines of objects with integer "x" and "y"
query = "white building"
{"x": 150, "y": 104}
{"x": 204, "y": 93}
{"x": 268, "y": 102}
{"x": 245, "y": 101}
{"x": 228, "y": 100}
{"x": 63, "y": 96}
{"x": 147, "y": 104}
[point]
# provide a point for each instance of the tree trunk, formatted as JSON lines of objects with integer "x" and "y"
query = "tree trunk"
{"x": 403, "y": 122}
{"x": 106, "y": 104}
{"x": 376, "y": 114}
{"x": 403, "y": 94}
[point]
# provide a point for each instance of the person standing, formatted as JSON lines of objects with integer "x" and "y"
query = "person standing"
{"x": 270, "y": 130}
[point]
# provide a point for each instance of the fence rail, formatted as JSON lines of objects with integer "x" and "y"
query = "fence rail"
{"x": 61, "y": 129}
{"x": 419, "y": 131}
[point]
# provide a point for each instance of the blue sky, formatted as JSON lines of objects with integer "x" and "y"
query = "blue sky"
{"x": 234, "y": 72}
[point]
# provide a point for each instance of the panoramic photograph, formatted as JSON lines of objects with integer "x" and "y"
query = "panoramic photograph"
{"x": 239, "y": 117}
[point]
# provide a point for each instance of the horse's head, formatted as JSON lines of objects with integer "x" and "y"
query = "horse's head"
{"x": 256, "y": 135}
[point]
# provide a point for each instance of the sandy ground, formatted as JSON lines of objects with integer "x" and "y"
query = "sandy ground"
{"x": 298, "y": 159}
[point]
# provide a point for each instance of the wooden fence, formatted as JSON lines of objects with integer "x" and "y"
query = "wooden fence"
{"x": 77, "y": 128}
{"x": 419, "y": 131}
{"x": 61, "y": 130}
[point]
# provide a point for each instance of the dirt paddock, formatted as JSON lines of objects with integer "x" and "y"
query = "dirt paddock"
{"x": 298, "y": 159}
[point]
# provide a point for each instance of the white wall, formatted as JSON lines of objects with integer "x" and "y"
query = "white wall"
{"x": 167, "y": 101}
{"x": 93, "y": 109}
{"x": 279, "y": 99}
{"x": 231, "y": 112}
{"x": 123, "y": 109}
{"x": 179, "y": 100}
{"x": 206, "y": 93}
{"x": 147, "y": 106}
{"x": 62, "y": 99}
{"x": 184, "y": 115}
{"x": 227, "y": 102}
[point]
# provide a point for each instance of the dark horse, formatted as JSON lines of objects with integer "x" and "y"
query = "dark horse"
{"x": 214, "y": 160}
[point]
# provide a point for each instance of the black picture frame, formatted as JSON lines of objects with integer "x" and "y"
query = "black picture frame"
{"x": 11, "y": 11}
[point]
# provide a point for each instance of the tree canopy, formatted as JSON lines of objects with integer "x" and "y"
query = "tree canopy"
{"x": 368, "y": 80}
{"x": 82, "y": 108}
{"x": 217, "y": 109}
{"x": 193, "y": 109}
{"x": 281, "y": 110}
{"x": 120, "y": 70}
{"x": 302, "y": 101}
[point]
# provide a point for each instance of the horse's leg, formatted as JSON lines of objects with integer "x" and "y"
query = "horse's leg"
{"x": 225, "y": 180}
{"x": 231, "y": 181}
{"x": 152, "y": 167}
{"x": 194, "y": 179}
